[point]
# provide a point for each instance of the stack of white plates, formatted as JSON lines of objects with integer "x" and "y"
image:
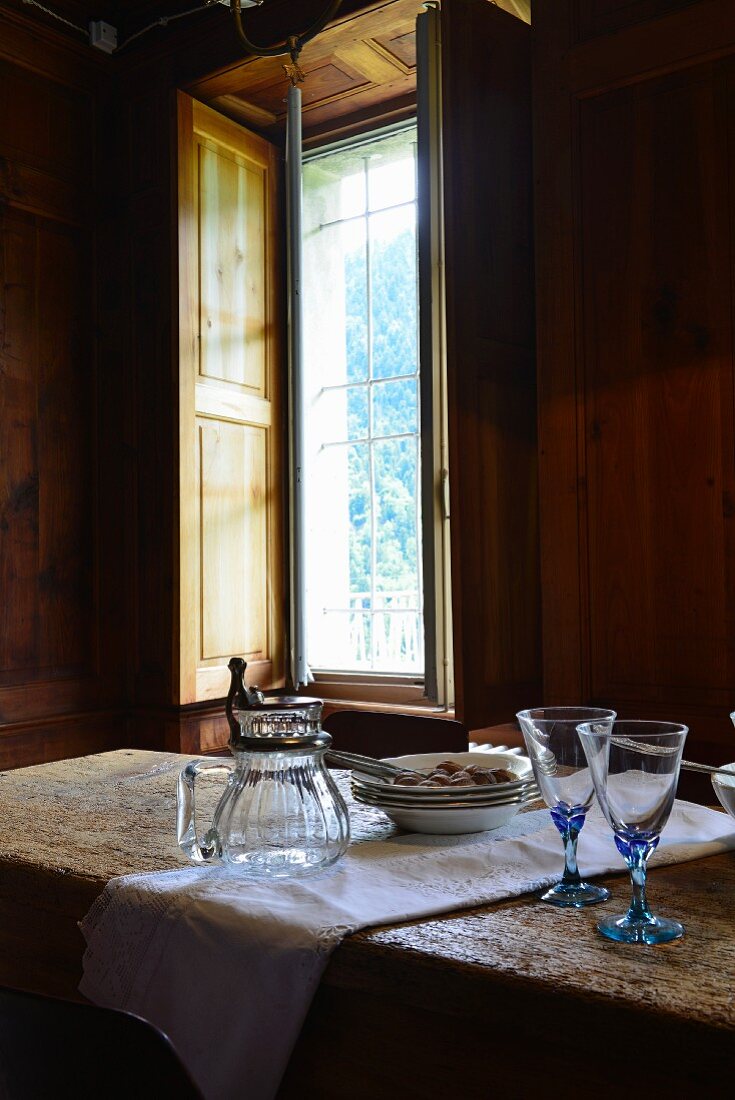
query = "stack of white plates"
{"x": 450, "y": 809}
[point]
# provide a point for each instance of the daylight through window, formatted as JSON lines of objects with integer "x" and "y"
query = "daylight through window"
{"x": 361, "y": 466}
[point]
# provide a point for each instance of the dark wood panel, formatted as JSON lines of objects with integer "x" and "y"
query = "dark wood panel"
{"x": 490, "y": 339}
{"x": 149, "y": 332}
{"x": 62, "y": 557}
{"x": 634, "y": 208}
{"x": 199, "y": 728}
{"x": 18, "y": 446}
{"x": 39, "y": 193}
{"x": 42, "y": 740}
{"x": 156, "y": 477}
{"x": 658, "y": 375}
{"x": 45, "y": 124}
{"x": 595, "y": 17}
{"x": 146, "y": 152}
{"x": 698, "y": 32}
{"x": 35, "y": 44}
{"x": 68, "y": 615}
{"x": 46, "y": 507}
{"x": 562, "y": 581}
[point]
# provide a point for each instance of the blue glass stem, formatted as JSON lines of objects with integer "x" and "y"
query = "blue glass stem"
{"x": 638, "y": 853}
{"x": 569, "y": 827}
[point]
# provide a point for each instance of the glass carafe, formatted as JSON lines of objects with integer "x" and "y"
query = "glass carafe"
{"x": 281, "y": 814}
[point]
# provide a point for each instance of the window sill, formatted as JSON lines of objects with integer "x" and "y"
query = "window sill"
{"x": 427, "y": 710}
{"x": 397, "y": 693}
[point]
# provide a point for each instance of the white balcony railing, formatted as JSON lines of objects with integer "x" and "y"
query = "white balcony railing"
{"x": 385, "y": 631}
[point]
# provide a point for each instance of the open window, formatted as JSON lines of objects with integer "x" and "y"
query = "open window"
{"x": 367, "y": 618}
{"x": 361, "y": 72}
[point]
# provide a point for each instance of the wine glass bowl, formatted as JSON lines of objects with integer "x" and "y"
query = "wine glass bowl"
{"x": 635, "y": 770}
{"x": 724, "y": 788}
{"x": 564, "y": 779}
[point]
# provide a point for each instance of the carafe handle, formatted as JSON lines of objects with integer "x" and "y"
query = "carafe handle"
{"x": 208, "y": 849}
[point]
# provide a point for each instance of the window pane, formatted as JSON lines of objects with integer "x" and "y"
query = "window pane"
{"x": 395, "y": 407}
{"x": 392, "y": 173}
{"x": 352, "y": 198}
{"x": 396, "y": 534}
{"x": 339, "y": 415}
{"x": 335, "y": 303}
{"x": 360, "y": 516}
{"x": 357, "y": 412}
{"x": 397, "y": 630}
{"x": 393, "y": 275}
{"x": 339, "y": 182}
{"x": 361, "y": 384}
{"x": 339, "y": 556}
{"x": 356, "y": 303}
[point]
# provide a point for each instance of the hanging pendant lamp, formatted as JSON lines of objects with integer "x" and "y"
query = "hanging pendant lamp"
{"x": 291, "y": 44}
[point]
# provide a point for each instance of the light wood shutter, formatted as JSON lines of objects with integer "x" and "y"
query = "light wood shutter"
{"x": 230, "y": 483}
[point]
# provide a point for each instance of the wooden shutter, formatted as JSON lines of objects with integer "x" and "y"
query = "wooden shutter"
{"x": 486, "y": 116}
{"x": 230, "y": 483}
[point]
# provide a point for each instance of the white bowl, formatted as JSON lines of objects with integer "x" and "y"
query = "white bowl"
{"x": 518, "y": 766}
{"x": 725, "y": 789}
{"x": 465, "y": 795}
{"x": 451, "y": 820}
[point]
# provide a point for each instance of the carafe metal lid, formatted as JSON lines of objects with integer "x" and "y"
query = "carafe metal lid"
{"x": 252, "y": 715}
{"x": 281, "y": 702}
{"x": 308, "y": 742}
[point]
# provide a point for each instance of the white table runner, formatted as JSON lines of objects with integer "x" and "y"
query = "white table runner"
{"x": 227, "y": 967}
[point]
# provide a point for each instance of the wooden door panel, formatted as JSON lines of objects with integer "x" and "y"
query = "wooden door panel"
{"x": 234, "y": 540}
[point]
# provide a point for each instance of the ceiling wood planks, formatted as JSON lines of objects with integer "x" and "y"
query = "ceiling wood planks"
{"x": 360, "y": 69}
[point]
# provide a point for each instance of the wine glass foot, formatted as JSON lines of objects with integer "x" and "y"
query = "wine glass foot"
{"x": 655, "y": 930}
{"x": 575, "y": 896}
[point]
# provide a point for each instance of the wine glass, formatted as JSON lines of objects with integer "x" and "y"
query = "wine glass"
{"x": 565, "y": 782}
{"x": 635, "y": 768}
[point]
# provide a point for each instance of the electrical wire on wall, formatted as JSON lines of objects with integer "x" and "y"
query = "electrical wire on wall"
{"x": 162, "y": 21}
{"x": 55, "y": 15}
{"x": 165, "y": 20}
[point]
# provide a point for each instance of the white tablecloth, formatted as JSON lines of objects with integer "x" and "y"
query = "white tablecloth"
{"x": 227, "y": 967}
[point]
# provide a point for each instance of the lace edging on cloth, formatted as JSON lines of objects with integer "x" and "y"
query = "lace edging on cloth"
{"x": 135, "y": 916}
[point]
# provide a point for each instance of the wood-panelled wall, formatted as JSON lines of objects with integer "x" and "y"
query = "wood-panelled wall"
{"x": 62, "y": 627}
{"x": 635, "y": 112}
{"x": 635, "y": 214}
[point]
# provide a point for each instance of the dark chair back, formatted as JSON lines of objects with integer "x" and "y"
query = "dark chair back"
{"x": 380, "y": 733}
{"x": 55, "y": 1048}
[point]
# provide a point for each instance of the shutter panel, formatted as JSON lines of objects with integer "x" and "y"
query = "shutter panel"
{"x": 231, "y": 491}
{"x": 486, "y": 115}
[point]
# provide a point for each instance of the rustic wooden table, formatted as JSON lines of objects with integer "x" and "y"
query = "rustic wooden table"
{"x": 511, "y": 999}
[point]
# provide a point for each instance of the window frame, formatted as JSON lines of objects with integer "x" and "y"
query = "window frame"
{"x": 408, "y": 689}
